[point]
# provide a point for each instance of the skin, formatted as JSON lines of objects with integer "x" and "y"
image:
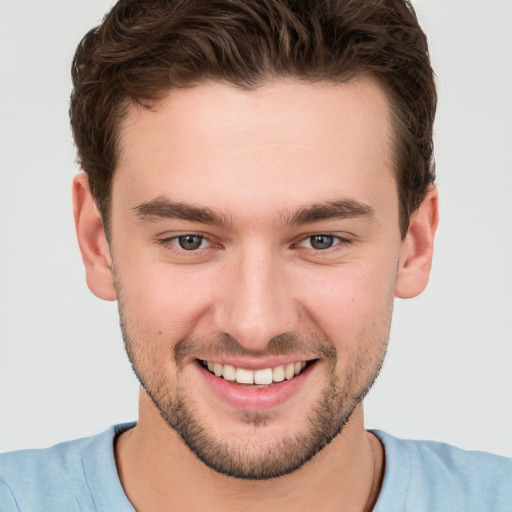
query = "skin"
{"x": 255, "y": 159}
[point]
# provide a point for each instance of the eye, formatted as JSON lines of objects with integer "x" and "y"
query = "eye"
{"x": 190, "y": 242}
{"x": 321, "y": 242}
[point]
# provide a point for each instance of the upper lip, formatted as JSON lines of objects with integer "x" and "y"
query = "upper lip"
{"x": 256, "y": 364}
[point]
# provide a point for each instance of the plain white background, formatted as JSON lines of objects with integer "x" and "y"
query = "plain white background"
{"x": 448, "y": 376}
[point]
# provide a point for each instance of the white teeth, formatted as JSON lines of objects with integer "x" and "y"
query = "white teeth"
{"x": 289, "y": 371}
{"x": 263, "y": 377}
{"x": 217, "y": 368}
{"x": 244, "y": 376}
{"x": 278, "y": 374}
{"x": 229, "y": 372}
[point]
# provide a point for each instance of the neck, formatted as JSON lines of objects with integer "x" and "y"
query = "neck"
{"x": 158, "y": 472}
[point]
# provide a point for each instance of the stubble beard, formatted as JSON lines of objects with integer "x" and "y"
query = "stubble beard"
{"x": 254, "y": 457}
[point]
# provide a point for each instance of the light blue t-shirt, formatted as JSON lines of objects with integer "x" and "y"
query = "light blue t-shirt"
{"x": 420, "y": 476}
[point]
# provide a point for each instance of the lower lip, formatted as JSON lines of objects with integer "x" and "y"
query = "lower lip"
{"x": 245, "y": 398}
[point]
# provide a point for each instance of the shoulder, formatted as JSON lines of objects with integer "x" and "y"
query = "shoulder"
{"x": 55, "y": 478}
{"x": 428, "y": 475}
{"x": 46, "y": 477}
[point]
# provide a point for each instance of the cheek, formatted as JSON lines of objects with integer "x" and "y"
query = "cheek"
{"x": 350, "y": 303}
{"x": 165, "y": 301}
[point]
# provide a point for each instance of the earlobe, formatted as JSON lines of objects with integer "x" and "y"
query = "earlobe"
{"x": 417, "y": 248}
{"x": 92, "y": 240}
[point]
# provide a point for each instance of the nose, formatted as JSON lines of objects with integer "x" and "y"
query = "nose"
{"x": 256, "y": 304}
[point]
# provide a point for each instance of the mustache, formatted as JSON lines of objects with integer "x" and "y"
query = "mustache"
{"x": 287, "y": 344}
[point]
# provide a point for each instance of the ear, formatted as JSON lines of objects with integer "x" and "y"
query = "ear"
{"x": 417, "y": 247}
{"x": 92, "y": 240}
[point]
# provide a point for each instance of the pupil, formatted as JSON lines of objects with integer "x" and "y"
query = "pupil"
{"x": 190, "y": 242}
{"x": 322, "y": 241}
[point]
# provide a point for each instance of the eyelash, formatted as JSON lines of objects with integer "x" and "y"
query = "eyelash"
{"x": 174, "y": 242}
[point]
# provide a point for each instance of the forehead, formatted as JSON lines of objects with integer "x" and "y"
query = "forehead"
{"x": 283, "y": 143}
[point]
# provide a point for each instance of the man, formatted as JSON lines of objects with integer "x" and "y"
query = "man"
{"x": 258, "y": 187}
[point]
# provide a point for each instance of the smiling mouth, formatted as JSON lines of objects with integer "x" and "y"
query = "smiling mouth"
{"x": 256, "y": 378}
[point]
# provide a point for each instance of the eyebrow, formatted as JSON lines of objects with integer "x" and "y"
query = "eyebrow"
{"x": 164, "y": 208}
{"x": 340, "y": 209}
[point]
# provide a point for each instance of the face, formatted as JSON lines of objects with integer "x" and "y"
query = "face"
{"x": 255, "y": 243}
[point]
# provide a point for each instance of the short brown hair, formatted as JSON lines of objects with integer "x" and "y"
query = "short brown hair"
{"x": 144, "y": 48}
